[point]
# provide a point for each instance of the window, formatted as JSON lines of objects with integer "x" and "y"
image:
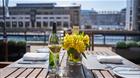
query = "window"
{"x": 7, "y": 24}
{"x": 51, "y": 23}
{"x": 51, "y": 17}
{"x": 45, "y": 17}
{"x": 58, "y": 17}
{"x": 1, "y": 17}
{"x": 14, "y": 24}
{"x": 13, "y": 17}
{"x": 38, "y": 24}
{"x": 45, "y": 24}
{"x": 65, "y": 17}
{"x": 38, "y": 17}
{"x": 58, "y": 23}
{"x": 27, "y": 17}
{"x": 27, "y": 24}
{"x": 1, "y": 24}
{"x": 65, "y": 24}
{"x": 20, "y": 23}
{"x": 20, "y": 17}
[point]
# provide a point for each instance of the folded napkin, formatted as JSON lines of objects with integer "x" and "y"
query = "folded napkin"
{"x": 43, "y": 50}
{"x": 36, "y": 56}
{"x": 109, "y": 59}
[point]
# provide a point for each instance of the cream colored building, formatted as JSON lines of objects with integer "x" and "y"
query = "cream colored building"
{"x": 41, "y": 15}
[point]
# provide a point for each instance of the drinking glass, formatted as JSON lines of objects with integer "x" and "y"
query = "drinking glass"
{"x": 54, "y": 57}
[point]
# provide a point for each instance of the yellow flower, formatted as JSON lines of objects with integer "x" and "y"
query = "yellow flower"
{"x": 86, "y": 39}
{"x": 76, "y": 41}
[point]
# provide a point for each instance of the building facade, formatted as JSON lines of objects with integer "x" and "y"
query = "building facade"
{"x": 41, "y": 15}
{"x": 133, "y": 15}
{"x": 104, "y": 19}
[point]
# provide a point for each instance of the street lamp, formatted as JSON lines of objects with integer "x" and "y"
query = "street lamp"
{"x": 4, "y": 31}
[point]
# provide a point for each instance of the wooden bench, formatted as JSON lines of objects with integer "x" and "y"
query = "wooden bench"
{"x": 3, "y": 64}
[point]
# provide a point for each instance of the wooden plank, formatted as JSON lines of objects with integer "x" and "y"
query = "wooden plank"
{"x": 16, "y": 73}
{"x": 35, "y": 73}
{"x": 7, "y": 71}
{"x": 97, "y": 73}
{"x": 111, "y": 72}
{"x": 106, "y": 74}
{"x": 25, "y": 73}
{"x": 43, "y": 73}
{"x": 3, "y": 64}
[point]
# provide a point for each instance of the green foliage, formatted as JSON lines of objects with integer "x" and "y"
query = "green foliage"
{"x": 131, "y": 44}
{"x": 74, "y": 56}
{"x": 21, "y": 44}
{"x": 11, "y": 43}
{"x": 138, "y": 43}
{"x": 121, "y": 44}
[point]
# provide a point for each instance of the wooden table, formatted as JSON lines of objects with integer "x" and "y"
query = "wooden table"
{"x": 9, "y": 72}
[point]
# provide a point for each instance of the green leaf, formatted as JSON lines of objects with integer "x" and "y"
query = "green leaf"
{"x": 84, "y": 55}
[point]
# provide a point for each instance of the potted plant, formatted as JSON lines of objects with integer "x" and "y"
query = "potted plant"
{"x": 2, "y": 51}
{"x": 11, "y": 50}
{"x": 21, "y": 48}
{"x": 132, "y": 45}
{"x": 129, "y": 50}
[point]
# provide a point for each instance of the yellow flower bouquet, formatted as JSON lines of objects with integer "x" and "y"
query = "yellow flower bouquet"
{"x": 75, "y": 44}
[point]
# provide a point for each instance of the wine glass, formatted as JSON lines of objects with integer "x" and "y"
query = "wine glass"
{"x": 55, "y": 47}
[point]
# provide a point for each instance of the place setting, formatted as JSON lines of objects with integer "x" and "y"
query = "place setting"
{"x": 32, "y": 60}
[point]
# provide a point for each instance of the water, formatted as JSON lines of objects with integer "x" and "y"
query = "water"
{"x": 98, "y": 39}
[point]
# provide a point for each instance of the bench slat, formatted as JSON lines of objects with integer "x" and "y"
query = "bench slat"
{"x": 106, "y": 74}
{"x": 34, "y": 73}
{"x": 43, "y": 73}
{"x": 97, "y": 73}
{"x": 7, "y": 71}
{"x": 16, "y": 73}
{"x": 25, "y": 73}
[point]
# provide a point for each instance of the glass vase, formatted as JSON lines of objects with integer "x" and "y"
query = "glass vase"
{"x": 74, "y": 56}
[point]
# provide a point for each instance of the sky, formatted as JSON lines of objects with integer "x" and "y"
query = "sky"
{"x": 98, "y": 5}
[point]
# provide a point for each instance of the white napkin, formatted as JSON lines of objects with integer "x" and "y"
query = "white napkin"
{"x": 36, "y": 56}
{"x": 43, "y": 50}
{"x": 109, "y": 59}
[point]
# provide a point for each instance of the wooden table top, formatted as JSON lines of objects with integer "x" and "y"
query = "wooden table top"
{"x": 9, "y": 72}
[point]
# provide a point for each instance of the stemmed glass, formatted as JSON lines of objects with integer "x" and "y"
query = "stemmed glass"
{"x": 55, "y": 48}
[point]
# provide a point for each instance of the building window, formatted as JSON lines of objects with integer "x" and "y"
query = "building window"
{"x": 27, "y": 24}
{"x": 38, "y": 24}
{"x": 45, "y": 24}
{"x": 65, "y": 24}
{"x": 65, "y": 17}
{"x": 14, "y": 24}
{"x": 1, "y": 24}
{"x": 27, "y": 17}
{"x": 7, "y": 24}
{"x": 38, "y": 17}
{"x": 58, "y": 17}
{"x": 51, "y": 17}
{"x": 20, "y": 23}
{"x": 45, "y": 17}
{"x": 51, "y": 23}
{"x": 58, "y": 23}
{"x": 20, "y": 17}
{"x": 13, "y": 17}
{"x": 1, "y": 17}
